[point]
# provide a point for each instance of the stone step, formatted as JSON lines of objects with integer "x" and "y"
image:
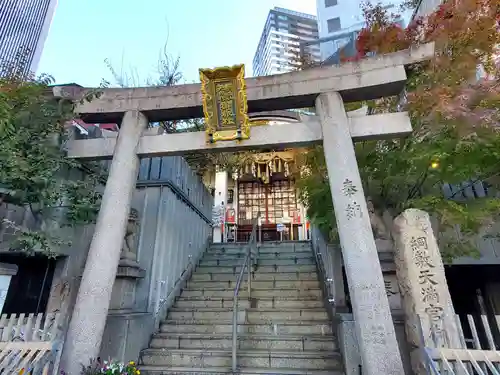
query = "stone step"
{"x": 258, "y": 270}
{"x": 164, "y": 370}
{"x": 246, "y": 358}
{"x": 246, "y": 341}
{"x": 226, "y": 327}
{"x": 256, "y": 284}
{"x": 256, "y": 293}
{"x": 211, "y": 315}
{"x": 276, "y": 255}
{"x": 265, "y": 243}
{"x": 294, "y": 275}
{"x": 260, "y": 262}
{"x": 263, "y": 249}
{"x": 203, "y": 302}
{"x": 249, "y": 315}
{"x": 264, "y": 254}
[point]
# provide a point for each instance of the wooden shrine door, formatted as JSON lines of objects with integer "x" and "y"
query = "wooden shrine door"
{"x": 275, "y": 201}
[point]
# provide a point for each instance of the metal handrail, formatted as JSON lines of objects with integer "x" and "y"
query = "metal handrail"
{"x": 320, "y": 251}
{"x": 245, "y": 266}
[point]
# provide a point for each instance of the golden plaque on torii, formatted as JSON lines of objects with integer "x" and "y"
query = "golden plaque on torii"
{"x": 225, "y": 107}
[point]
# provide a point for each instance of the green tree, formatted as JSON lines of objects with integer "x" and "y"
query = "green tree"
{"x": 33, "y": 164}
{"x": 455, "y": 118}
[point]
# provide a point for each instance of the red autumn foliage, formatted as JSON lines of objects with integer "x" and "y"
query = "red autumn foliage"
{"x": 444, "y": 90}
{"x": 451, "y": 21}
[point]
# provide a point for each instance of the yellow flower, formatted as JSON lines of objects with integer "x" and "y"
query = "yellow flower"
{"x": 131, "y": 363}
{"x": 21, "y": 372}
{"x": 138, "y": 372}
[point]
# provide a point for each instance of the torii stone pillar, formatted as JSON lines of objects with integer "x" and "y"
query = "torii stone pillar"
{"x": 373, "y": 321}
{"x": 83, "y": 340}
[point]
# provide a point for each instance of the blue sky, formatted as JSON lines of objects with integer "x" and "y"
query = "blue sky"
{"x": 131, "y": 34}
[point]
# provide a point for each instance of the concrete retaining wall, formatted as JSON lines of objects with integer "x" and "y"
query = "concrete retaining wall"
{"x": 174, "y": 209}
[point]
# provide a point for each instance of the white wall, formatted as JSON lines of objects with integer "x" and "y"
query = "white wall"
{"x": 426, "y": 7}
{"x": 4, "y": 288}
{"x": 350, "y": 14}
{"x": 220, "y": 201}
{"x": 43, "y": 35}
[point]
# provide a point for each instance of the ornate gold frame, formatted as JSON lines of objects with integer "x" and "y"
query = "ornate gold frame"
{"x": 234, "y": 75}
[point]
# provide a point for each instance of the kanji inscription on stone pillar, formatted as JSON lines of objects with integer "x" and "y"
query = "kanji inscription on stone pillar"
{"x": 422, "y": 281}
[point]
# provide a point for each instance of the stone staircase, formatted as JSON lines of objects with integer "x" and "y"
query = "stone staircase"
{"x": 284, "y": 327}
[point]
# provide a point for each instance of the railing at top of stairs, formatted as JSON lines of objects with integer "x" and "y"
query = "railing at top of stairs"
{"x": 246, "y": 265}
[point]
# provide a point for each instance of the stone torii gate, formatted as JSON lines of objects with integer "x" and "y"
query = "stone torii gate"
{"x": 327, "y": 88}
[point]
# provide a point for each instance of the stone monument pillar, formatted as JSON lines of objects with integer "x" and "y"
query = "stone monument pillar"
{"x": 378, "y": 346}
{"x": 83, "y": 340}
{"x": 422, "y": 281}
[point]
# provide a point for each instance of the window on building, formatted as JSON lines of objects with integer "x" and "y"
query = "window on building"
{"x": 330, "y": 3}
{"x": 230, "y": 196}
{"x": 333, "y": 24}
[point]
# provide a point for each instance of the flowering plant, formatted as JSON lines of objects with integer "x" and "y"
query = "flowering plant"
{"x": 99, "y": 367}
{"x": 117, "y": 368}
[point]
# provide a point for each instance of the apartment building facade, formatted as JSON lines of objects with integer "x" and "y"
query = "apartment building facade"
{"x": 279, "y": 45}
{"x": 24, "y": 26}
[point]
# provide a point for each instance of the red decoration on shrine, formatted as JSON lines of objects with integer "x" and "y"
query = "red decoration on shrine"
{"x": 230, "y": 216}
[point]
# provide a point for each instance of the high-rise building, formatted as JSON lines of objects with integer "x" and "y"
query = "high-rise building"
{"x": 339, "y": 22}
{"x": 335, "y": 15}
{"x": 279, "y": 46}
{"x": 24, "y": 26}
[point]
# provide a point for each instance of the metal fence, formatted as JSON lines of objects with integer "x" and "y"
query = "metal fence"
{"x": 477, "y": 354}
{"x": 30, "y": 344}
